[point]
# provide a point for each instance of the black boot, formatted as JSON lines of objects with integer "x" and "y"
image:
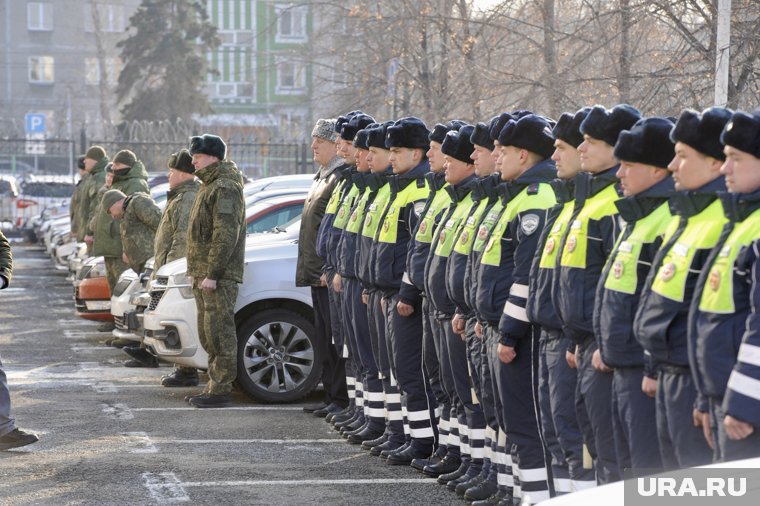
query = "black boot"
{"x": 389, "y": 445}
{"x": 366, "y": 434}
{"x": 483, "y": 491}
{"x": 181, "y": 377}
{"x": 494, "y": 499}
{"x": 470, "y": 482}
{"x": 448, "y": 464}
{"x": 405, "y": 457}
{"x": 368, "y": 445}
{"x": 385, "y": 453}
{"x": 420, "y": 464}
{"x": 454, "y": 475}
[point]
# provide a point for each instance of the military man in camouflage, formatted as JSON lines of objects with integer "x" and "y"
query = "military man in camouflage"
{"x": 171, "y": 237}
{"x": 215, "y": 260}
{"x": 75, "y": 206}
{"x": 95, "y": 161}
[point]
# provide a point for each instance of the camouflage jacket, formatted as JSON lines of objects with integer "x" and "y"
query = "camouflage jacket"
{"x": 216, "y": 232}
{"x": 6, "y": 259}
{"x": 138, "y": 228}
{"x": 75, "y": 209}
{"x": 106, "y": 230}
{"x": 90, "y": 199}
{"x": 171, "y": 236}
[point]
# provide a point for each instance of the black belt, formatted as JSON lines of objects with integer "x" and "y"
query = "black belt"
{"x": 674, "y": 369}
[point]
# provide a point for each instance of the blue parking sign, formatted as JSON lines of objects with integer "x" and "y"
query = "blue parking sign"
{"x": 35, "y": 123}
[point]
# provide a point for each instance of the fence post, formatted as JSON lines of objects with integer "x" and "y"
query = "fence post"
{"x": 83, "y": 140}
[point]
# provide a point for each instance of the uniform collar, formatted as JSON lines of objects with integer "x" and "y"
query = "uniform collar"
{"x": 564, "y": 189}
{"x": 690, "y": 203}
{"x": 401, "y": 181}
{"x": 738, "y": 206}
{"x": 375, "y": 180}
{"x": 638, "y": 206}
{"x": 486, "y": 187}
{"x": 459, "y": 191}
{"x": 436, "y": 180}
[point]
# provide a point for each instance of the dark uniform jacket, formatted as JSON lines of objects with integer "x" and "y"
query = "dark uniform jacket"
{"x": 443, "y": 242}
{"x": 539, "y": 305}
{"x": 484, "y": 194}
{"x": 374, "y": 214}
{"x": 216, "y": 236}
{"x": 413, "y": 281}
{"x": 138, "y": 228}
{"x": 646, "y": 218}
{"x": 107, "y": 240}
{"x": 327, "y": 235}
{"x": 171, "y": 236}
{"x": 309, "y": 264}
{"x": 661, "y": 319}
{"x": 347, "y": 247}
{"x": 722, "y": 300}
{"x": 408, "y": 194}
{"x": 578, "y": 274}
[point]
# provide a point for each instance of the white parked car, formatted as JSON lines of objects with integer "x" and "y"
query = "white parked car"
{"x": 277, "y": 359}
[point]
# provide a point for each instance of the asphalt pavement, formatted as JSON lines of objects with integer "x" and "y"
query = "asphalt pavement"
{"x": 112, "y": 435}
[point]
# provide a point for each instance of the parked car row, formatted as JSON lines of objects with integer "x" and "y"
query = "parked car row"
{"x": 277, "y": 359}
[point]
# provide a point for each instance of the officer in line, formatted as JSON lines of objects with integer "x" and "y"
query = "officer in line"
{"x": 661, "y": 318}
{"x": 75, "y": 207}
{"x": 583, "y": 251}
{"x": 345, "y": 194}
{"x": 354, "y": 309}
{"x": 484, "y": 196}
{"x": 413, "y": 284}
{"x": 408, "y": 140}
{"x": 171, "y": 237}
{"x": 379, "y": 162}
{"x": 95, "y": 161}
{"x": 644, "y": 152}
{"x": 722, "y": 318}
{"x": 10, "y": 435}
{"x": 139, "y": 217}
{"x": 557, "y": 379}
{"x": 526, "y": 146}
{"x": 309, "y": 264}
{"x": 215, "y": 262}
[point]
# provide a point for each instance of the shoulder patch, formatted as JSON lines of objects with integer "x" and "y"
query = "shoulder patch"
{"x": 529, "y": 223}
{"x": 533, "y": 189}
{"x": 419, "y": 207}
{"x": 226, "y": 206}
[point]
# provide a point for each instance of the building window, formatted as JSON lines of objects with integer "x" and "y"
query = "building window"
{"x": 291, "y": 78}
{"x": 39, "y": 16}
{"x": 291, "y": 23}
{"x": 234, "y": 76}
{"x": 93, "y": 75}
{"x": 110, "y": 18}
{"x": 41, "y": 69}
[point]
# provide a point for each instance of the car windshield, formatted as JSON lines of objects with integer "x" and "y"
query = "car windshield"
{"x": 35, "y": 189}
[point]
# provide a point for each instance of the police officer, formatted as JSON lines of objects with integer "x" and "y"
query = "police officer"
{"x": 215, "y": 261}
{"x": 661, "y": 319}
{"x": 584, "y": 249}
{"x": 171, "y": 237}
{"x": 309, "y": 264}
{"x": 722, "y": 318}
{"x": 557, "y": 377}
{"x": 408, "y": 141}
{"x": 466, "y": 413}
{"x": 737, "y": 434}
{"x": 644, "y": 152}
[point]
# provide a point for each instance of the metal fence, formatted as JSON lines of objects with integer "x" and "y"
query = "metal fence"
{"x": 58, "y": 157}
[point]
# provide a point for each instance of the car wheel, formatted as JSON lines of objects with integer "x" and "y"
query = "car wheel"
{"x": 277, "y": 357}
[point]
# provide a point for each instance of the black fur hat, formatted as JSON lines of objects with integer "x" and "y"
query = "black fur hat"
{"x": 568, "y": 127}
{"x": 497, "y": 124}
{"x": 182, "y": 160}
{"x": 342, "y": 120}
{"x": 702, "y": 131}
{"x": 408, "y": 133}
{"x": 606, "y": 125}
{"x": 356, "y": 123}
{"x": 360, "y": 139}
{"x": 376, "y": 135}
{"x": 743, "y": 133}
{"x": 208, "y": 144}
{"x": 438, "y": 134}
{"x": 647, "y": 142}
{"x": 531, "y": 132}
{"x": 457, "y": 144}
{"x": 481, "y": 136}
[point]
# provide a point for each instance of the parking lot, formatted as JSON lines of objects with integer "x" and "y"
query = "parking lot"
{"x": 112, "y": 435}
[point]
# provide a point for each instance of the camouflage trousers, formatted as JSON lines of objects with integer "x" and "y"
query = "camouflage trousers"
{"x": 217, "y": 334}
{"x": 114, "y": 268}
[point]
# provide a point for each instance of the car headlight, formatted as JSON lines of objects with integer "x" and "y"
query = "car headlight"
{"x": 184, "y": 284}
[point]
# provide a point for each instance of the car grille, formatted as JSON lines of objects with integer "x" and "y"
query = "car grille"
{"x": 118, "y": 322}
{"x": 155, "y": 298}
{"x": 162, "y": 280}
{"x": 122, "y": 285}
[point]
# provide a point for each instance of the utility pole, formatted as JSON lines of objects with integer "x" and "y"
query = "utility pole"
{"x": 722, "y": 56}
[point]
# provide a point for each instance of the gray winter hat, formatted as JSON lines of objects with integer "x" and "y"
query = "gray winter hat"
{"x": 111, "y": 197}
{"x": 325, "y": 129}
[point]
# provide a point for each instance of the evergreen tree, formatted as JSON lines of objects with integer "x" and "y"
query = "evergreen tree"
{"x": 165, "y": 65}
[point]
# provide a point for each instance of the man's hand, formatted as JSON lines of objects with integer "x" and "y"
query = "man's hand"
{"x": 404, "y": 309}
{"x": 124, "y": 258}
{"x": 649, "y": 386}
{"x": 365, "y": 298}
{"x": 323, "y": 280}
{"x": 208, "y": 285}
{"x": 701, "y": 419}
{"x": 458, "y": 324}
{"x": 598, "y": 363}
{"x": 571, "y": 360}
{"x": 336, "y": 283}
{"x": 506, "y": 353}
{"x": 479, "y": 330}
{"x": 736, "y": 429}
{"x": 89, "y": 239}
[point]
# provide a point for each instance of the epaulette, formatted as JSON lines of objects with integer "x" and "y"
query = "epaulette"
{"x": 420, "y": 182}
{"x": 533, "y": 189}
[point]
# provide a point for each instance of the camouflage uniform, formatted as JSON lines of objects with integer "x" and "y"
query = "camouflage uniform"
{"x": 139, "y": 224}
{"x": 76, "y": 215}
{"x": 106, "y": 230}
{"x": 216, "y": 250}
{"x": 89, "y": 199}
{"x": 171, "y": 236}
